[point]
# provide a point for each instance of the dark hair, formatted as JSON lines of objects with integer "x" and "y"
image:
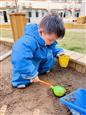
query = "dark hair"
{"x": 52, "y": 23}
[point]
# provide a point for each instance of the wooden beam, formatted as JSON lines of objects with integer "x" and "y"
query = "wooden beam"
{"x": 3, "y": 110}
{"x": 2, "y": 57}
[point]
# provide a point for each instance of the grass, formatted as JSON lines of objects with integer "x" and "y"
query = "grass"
{"x": 74, "y": 26}
{"x": 73, "y": 40}
{"x": 5, "y": 33}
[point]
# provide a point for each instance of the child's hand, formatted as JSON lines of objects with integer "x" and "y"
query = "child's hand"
{"x": 61, "y": 53}
{"x": 36, "y": 79}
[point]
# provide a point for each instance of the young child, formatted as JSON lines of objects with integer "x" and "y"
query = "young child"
{"x": 35, "y": 51}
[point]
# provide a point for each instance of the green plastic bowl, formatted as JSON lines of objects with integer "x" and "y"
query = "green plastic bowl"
{"x": 58, "y": 90}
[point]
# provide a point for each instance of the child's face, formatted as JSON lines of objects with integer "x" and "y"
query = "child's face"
{"x": 49, "y": 38}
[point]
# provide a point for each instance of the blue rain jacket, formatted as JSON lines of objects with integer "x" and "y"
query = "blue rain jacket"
{"x": 31, "y": 56}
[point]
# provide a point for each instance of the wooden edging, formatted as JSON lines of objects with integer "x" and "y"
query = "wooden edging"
{"x": 4, "y": 56}
{"x": 77, "y": 61}
{"x": 3, "y": 110}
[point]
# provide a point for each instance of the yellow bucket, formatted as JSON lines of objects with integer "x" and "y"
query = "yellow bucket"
{"x": 63, "y": 60}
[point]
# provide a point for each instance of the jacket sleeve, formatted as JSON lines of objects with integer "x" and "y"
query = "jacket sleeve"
{"x": 56, "y": 50}
{"x": 22, "y": 59}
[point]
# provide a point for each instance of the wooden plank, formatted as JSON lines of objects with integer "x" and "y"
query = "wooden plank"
{"x": 36, "y": 112}
{"x": 2, "y": 57}
{"x": 3, "y": 110}
{"x": 18, "y": 21}
{"x": 14, "y": 27}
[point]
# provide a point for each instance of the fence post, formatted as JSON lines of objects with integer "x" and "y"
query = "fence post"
{"x": 18, "y": 21}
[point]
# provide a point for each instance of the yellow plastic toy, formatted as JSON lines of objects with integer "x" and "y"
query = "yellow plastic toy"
{"x": 63, "y": 60}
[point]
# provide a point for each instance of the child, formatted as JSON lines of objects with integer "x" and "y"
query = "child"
{"x": 35, "y": 51}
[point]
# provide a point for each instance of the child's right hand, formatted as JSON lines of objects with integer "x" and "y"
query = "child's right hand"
{"x": 36, "y": 79}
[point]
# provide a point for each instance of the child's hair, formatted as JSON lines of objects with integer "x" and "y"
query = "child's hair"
{"x": 52, "y": 23}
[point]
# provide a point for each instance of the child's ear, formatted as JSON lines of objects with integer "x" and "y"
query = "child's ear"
{"x": 41, "y": 31}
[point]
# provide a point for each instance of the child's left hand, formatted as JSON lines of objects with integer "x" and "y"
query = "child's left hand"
{"x": 61, "y": 53}
{"x": 36, "y": 79}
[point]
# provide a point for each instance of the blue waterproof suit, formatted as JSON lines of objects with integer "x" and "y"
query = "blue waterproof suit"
{"x": 31, "y": 56}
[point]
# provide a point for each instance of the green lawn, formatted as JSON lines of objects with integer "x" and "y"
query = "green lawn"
{"x": 75, "y": 41}
{"x": 5, "y": 33}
